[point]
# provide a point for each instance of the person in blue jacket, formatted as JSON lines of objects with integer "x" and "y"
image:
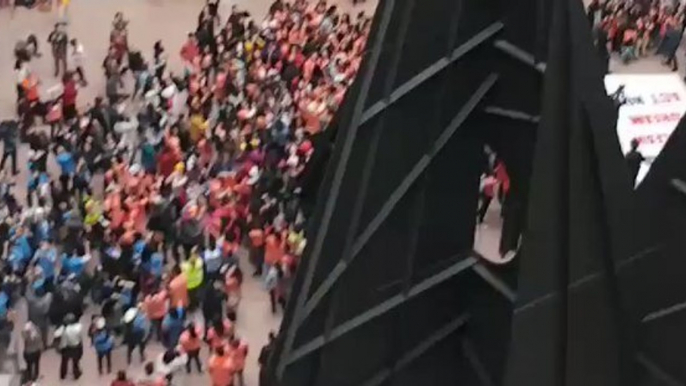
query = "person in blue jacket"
{"x": 152, "y": 264}
{"x": 21, "y": 252}
{"x": 103, "y": 343}
{"x": 34, "y": 183}
{"x": 75, "y": 264}
{"x": 46, "y": 258}
{"x": 172, "y": 327}
{"x": 65, "y": 159}
{"x": 136, "y": 331}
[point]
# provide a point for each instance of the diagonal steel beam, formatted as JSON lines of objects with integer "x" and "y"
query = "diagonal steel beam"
{"x": 476, "y": 363}
{"x": 400, "y": 191}
{"x": 494, "y": 281}
{"x": 386, "y": 12}
{"x": 657, "y": 371}
{"x": 661, "y": 313}
{"x": 512, "y": 114}
{"x": 679, "y": 185}
{"x": 405, "y": 88}
{"x": 419, "y": 350}
{"x": 590, "y": 278}
{"x": 381, "y": 309}
{"x": 519, "y": 54}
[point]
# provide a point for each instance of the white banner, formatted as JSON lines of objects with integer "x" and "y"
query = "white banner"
{"x": 653, "y": 105}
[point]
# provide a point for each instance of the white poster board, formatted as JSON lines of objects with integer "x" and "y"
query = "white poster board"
{"x": 653, "y": 106}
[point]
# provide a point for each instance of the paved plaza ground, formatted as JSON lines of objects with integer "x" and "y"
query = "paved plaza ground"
{"x": 149, "y": 21}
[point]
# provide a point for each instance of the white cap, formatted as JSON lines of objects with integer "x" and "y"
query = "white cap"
{"x": 130, "y": 315}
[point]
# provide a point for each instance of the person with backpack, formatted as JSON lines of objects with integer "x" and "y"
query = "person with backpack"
{"x": 136, "y": 331}
{"x": 103, "y": 342}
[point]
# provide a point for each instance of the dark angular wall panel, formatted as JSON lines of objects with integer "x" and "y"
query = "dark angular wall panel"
{"x": 390, "y": 291}
{"x": 389, "y": 272}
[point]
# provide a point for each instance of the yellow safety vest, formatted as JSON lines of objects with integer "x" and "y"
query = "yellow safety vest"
{"x": 193, "y": 272}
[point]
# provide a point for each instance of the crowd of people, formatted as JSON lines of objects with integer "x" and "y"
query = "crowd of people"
{"x": 635, "y": 29}
{"x": 196, "y": 166}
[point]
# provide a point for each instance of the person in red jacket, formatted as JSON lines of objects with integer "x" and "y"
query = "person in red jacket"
{"x": 488, "y": 188}
{"x": 69, "y": 94}
{"x": 190, "y": 49}
{"x": 500, "y": 172}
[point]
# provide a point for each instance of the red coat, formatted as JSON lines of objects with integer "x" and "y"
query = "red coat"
{"x": 502, "y": 176}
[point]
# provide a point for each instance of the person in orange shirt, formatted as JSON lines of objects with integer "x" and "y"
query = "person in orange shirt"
{"x": 257, "y": 249}
{"x": 30, "y": 85}
{"x": 178, "y": 288}
{"x": 191, "y": 341}
{"x": 238, "y": 351}
{"x": 221, "y": 368}
{"x": 273, "y": 249}
{"x": 156, "y": 308}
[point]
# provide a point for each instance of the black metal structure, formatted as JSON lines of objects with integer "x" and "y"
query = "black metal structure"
{"x": 390, "y": 291}
{"x": 380, "y": 298}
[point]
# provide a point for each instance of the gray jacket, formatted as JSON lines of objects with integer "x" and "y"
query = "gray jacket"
{"x": 39, "y": 308}
{"x": 32, "y": 342}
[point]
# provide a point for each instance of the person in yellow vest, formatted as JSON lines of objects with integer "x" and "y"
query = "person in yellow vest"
{"x": 193, "y": 270}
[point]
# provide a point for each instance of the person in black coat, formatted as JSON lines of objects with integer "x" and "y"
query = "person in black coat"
{"x": 263, "y": 359}
{"x": 634, "y": 159}
{"x": 213, "y": 302}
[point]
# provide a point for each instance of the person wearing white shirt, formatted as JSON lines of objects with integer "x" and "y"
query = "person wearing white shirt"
{"x": 70, "y": 345}
{"x": 170, "y": 362}
{"x": 78, "y": 55}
